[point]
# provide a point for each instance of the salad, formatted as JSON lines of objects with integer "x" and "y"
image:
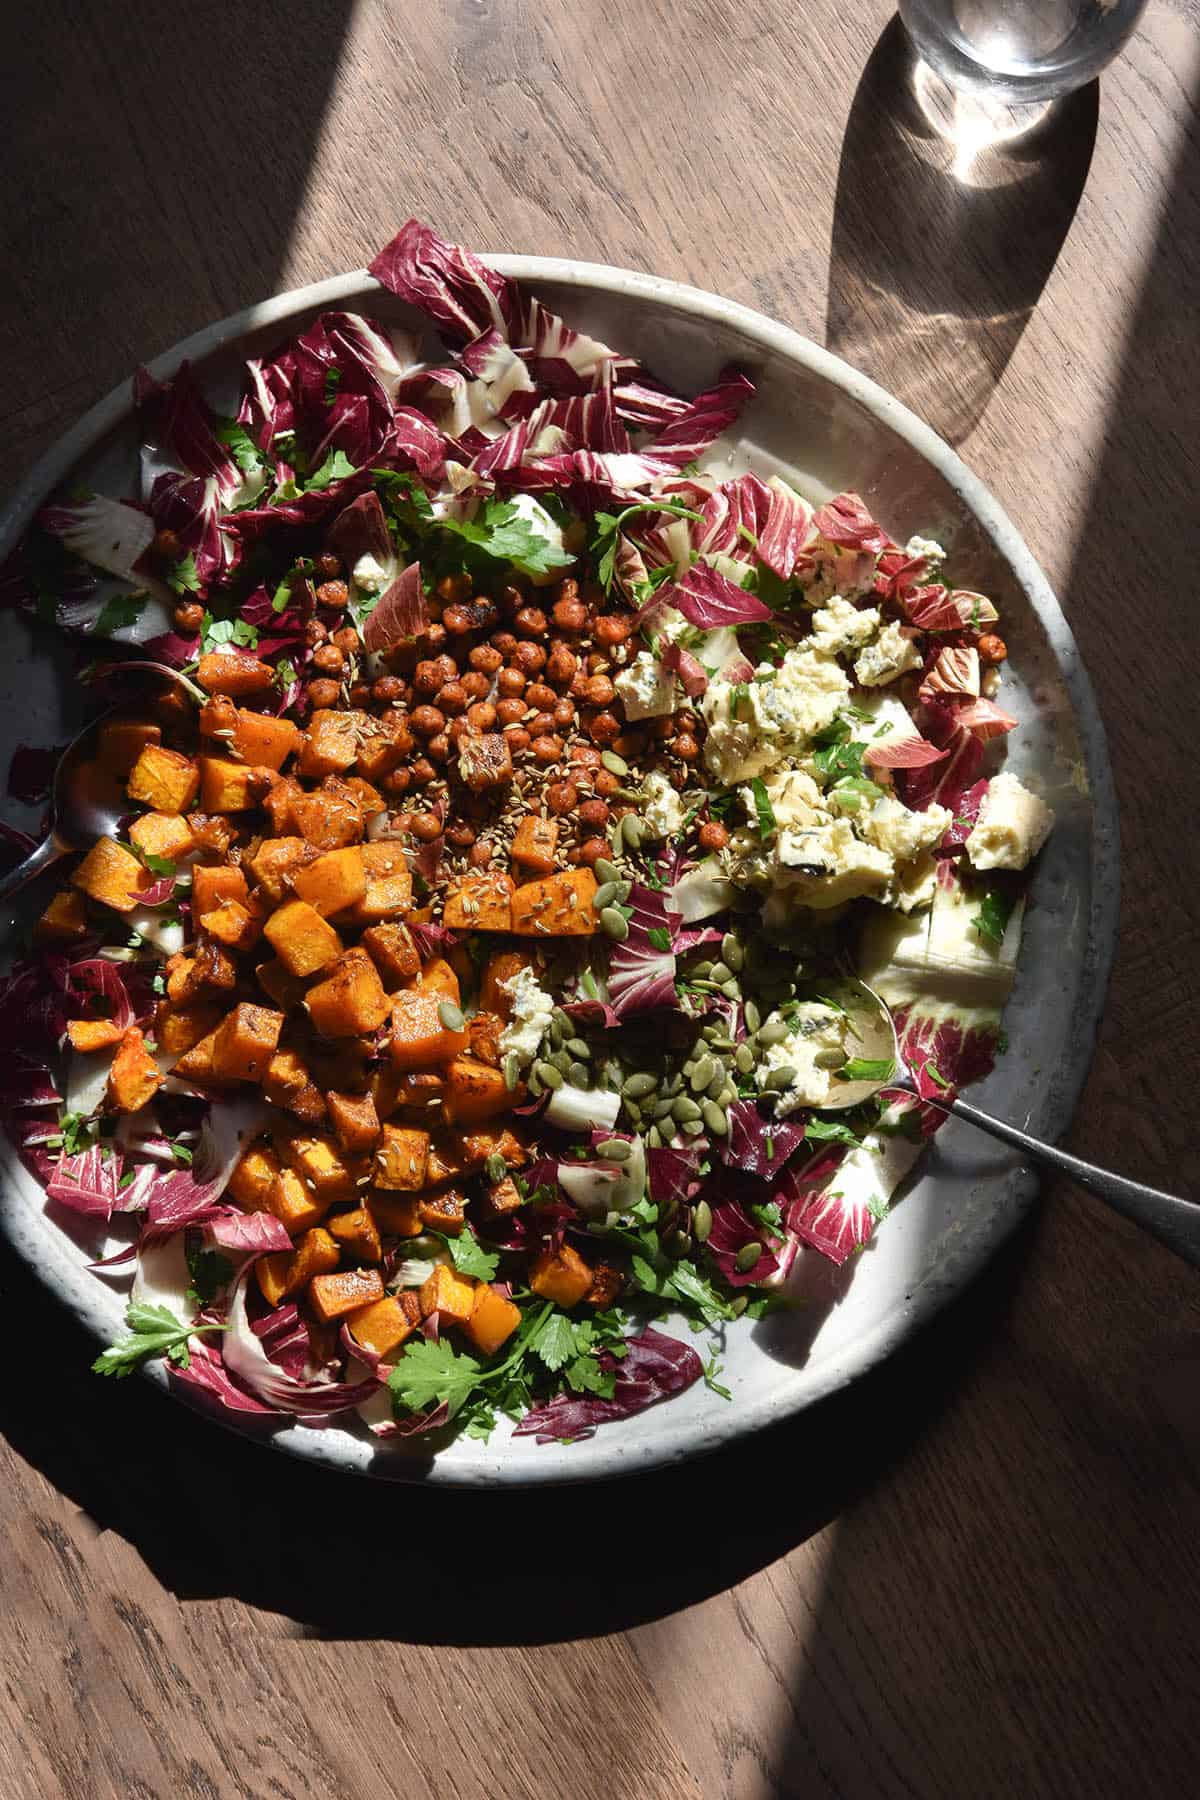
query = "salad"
{"x": 460, "y": 997}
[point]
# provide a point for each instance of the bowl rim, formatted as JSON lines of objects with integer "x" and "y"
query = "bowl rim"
{"x": 609, "y": 1458}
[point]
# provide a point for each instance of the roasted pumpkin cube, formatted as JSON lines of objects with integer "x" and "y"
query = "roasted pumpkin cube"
{"x": 419, "y": 1037}
{"x": 397, "y": 1214}
{"x": 322, "y": 1163}
{"x": 252, "y": 1179}
{"x": 607, "y": 1285}
{"x": 279, "y": 805}
{"x": 447, "y": 1295}
{"x": 383, "y": 1326}
{"x": 388, "y": 888}
{"x": 227, "y": 786}
{"x": 393, "y": 952}
{"x": 211, "y": 887}
{"x": 112, "y": 875}
{"x": 493, "y": 1320}
{"x": 502, "y": 1199}
{"x": 271, "y": 1273}
{"x": 276, "y": 861}
{"x": 354, "y": 1120}
{"x": 280, "y": 985}
{"x": 213, "y": 834}
{"x": 445, "y": 1161}
{"x": 289, "y": 1084}
{"x": 162, "y": 834}
{"x": 401, "y": 1157}
{"x": 65, "y": 919}
{"x": 293, "y": 1202}
{"x": 196, "y": 1065}
{"x": 334, "y": 881}
{"x": 437, "y": 977}
{"x": 331, "y": 742}
{"x": 330, "y": 818}
{"x": 178, "y": 1028}
{"x": 357, "y": 1233}
{"x": 484, "y": 1030}
{"x": 475, "y": 1147}
{"x": 302, "y": 940}
{"x": 558, "y": 906}
{"x": 474, "y": 1091}
{"x": 369, "y": 798}
{"x": 500, "y": 968}
{"x": 350, "y": 1002}
{"x": 286, "y": 1271}
{"x": 164, "y": 780}
{"x": 446, "y": 1213}
{"x": 561, "y": 1275}
{"x": 121, "y": 741}
{"x": 246, "y": 1042}
{"x": 229, "y": 672}
{"x": 484, "y": 760}
{"x": 392, "y": 1091}
{"x": 135, "y": 1077}
{"x": 261, "y": 741}
{"x": 481, "y": 902}
{"x": 333, "y": 1296}
{"x": 534, "y": 843}
{"x": 208, "y": 966}
{"x": 381, "y": 749}
{"x": 93, "y": 1034}
{"x": 232, "y": 925}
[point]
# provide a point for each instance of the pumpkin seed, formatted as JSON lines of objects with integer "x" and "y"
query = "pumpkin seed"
{"x": 579, "y": 1075}
{"x": 558, "y": 1017}
{"x": 662, "y": 1108}
{"x": 746, "y": 1257}
{"x": 773, "y": 1032}
{"x": 495, "y": 1168}
{"x": 604, "y": 895}
{"x": 681, "y": 1243}
{"x": 752, "y": 1016}
{"x": 716, "y": 1086}
{"x": 725, "y": 1045}
{"x": 701, "y": 1073}
{"x": 702, "y": 1221}
{"x": 778, "y": 1079}
{"x": 616, "y": 765}
{"x": 716, "y": 1118}
{"x": 634, "y": 831}
{"x": 731, "y": 988}
{"x": 534, "y": 1084}
{"x": 548, "y": 1075}
{"x": 653, "y": 1138}
{"x": 634, "y": 1111}
{"x": 624, "y": 889}
{"x": 685, "y": 1110}
{"x": 451, "y": 1016}
{"x": 561, "y": 1061}
{"x": 830, "y": 1059}
{"x": 631, "y": 796}
{"x": 615, "y": 1149}
{"x": 555, "y": 1036}
{"x": 614, "y": 924}
{"x": 743, "y": 1058}
{"x": 692, "y": 1127}
{"x": 719, "y": 973}
{"x": 579, "y": 1048}
{"x": 732, "y": 952}
{"x": 606, "y": 871}
{"x": 727, "y": 1095}
{"x": 737, "y": 1307}
{"x": 639, "y": 1086}
{"x": 701, "y": 971}
{"x": 512, "y": 1071}
{"x": 674, "y": 1086}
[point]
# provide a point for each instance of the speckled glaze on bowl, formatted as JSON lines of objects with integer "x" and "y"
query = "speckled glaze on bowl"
{"x": 829, "y": 428}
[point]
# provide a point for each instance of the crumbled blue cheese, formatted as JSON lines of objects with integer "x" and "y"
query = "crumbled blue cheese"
{"x": 662, "y": 809}
{"x": 369, "y": 574}
{"x": 1013, "y": 825}
{"x": 529, "y": 1020}
{"x": 904, "y": 834}
{"x": 825, "y": 864}
{"x": 794, "y": 795}
{"x": 841, "y": 626}
{"x": 891, "y": 655}
{"x": 804, "y": 696}
{"x": 648, "y": 690}
{"x": 928, "y": 549}
{"x": 812, "y": 1030}
{"x": 755, "y": 725}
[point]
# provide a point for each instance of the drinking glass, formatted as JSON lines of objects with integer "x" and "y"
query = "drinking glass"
{"x": 1018, "y": 51}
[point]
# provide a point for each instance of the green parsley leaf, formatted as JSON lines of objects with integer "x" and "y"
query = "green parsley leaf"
{"x": 712, "y": 1369}
{"x": 155, "y": 1331}
{"x": 333, "y": 381}
{"x": 429, "y": 1374}
{"x": 214, "y": 633}
{"x": 764, "y": 811}
{"x": 770, "y": 1218}
{"x": 336, "y": 467}
{"x": 658, "y": 937}
{"x": 210, "y": 1273}
{"x": 119, "y": 611}
{"x": 829, "y": 1131}
{"x": 585, "y": 1376}
{"x": 935, "y": 1075}
{"x": 241, "y": 446}
{"x": 995, "y": 910}
{"x": 469, "y": 1255}
{"x": 840, "y": 759}
{"x": 285, "y": 671}
{"x": 182, "y": 1154}
{"x": 158, "y": 865}
{"x": 687, "y": 1285}
{"x": 504, "y": 534}
{"x": 867, "y": 1068}
{"x": 184, "y": 577}
{"x": 609, "y": 526}
{"x": 556, "y": 1341}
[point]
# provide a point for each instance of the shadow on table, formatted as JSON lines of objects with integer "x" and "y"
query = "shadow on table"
{"x": 942, "y": 244}
{"x": 214, "y": 1514}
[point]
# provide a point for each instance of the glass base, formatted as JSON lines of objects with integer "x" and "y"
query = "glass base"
{"x": 976, "y": 117}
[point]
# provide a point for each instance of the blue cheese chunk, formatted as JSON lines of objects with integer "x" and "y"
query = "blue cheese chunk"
{"x": 826, "y": 864}
{"x": 1013, "y": 825}
{"x": 662, "y": 809}
{"x": 840, "y": 626}
{"x": 813, "y": 1048}
{"x": 529, "y": 1019}
{"x": 805, "y": 695}
{"x": 370, "y": 574}
{"x": 904, "y": 834}
{"x": 647, "y": 689}
{"x": 890, "y": 656}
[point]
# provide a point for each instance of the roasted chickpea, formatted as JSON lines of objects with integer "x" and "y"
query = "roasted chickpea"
{"x": 167, "y": 545}
{"x": 531, "y": 622}
{"x": 685, "y": 720}
{"x": 315, "y": 633}
{"x": 481, "y": 854}
{"x": 585, "y": 756}
{"x": 529, "y": 658}
{"x": 510, "y": 711}
{"x": 481, "y": 716}
{"x": 397, "y": 782}
{"x": 189, "y": 617}
{"x": 590, "y": 853}
{"x": 475, "y": 685}
{"x": 540, "y": 724}
{"x": 510, "y": 681}
{"x": 712, "y": 836}
{"x": 613, "y": 628}
{"x": 992, "y": 649}
{"x": 329, "y": 659}
{"x": 324, "y": 693}
{"x": 593, "y": 816}
{"x": 427, "y": 827}
{"x": 599, "y": 691}
{"x": 433, "y": 638}
{"x": 387, "y": 690}
{"x": 437, "y": 748}
{"x": 546, "y": 749}
{"x": 605, "y": 783}
{"x": 563, "y": 714}
{"x": 629, "y": 744}
{"x": 504, "y": 642}
{"x": 348, "y": 640}
{"x": 359, "y": 695}
{"x": 422, "y": 771}
{"x": 569, "y": 615}
{"x": 539, "y": 695}
{"x": 603, "y": 728}
{"x": 454, "y": 587}
{"x": 461, "y": 835}
{"x": 333, "y": 593}
{"x": 427, "y": 721}
{"x": 328, "y": 566}
{"x": 452, "y": 699}
{"x": 561, "y": 796}
{"x": 518, "y": 739}
{"x": 458, "y": 621}
{"x": 662, "y": 728}
{"x": 486, "y": 658}
{"x": 561, "y": 666}
{"x": 686, "y": 748}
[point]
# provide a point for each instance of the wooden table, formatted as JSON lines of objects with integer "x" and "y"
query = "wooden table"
{"x": 976, "y": 1573}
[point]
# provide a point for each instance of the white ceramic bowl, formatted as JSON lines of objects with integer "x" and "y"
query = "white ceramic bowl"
{"x": 829, "y": 428}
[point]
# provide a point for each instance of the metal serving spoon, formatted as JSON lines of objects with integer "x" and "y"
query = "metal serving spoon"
{"x": 85, "y": 802}
{"x": 1174, "y": 1222}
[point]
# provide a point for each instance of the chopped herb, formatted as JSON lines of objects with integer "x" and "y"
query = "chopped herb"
{"x": 658, "y": 937}
{"x": 712, "y": 1369}
{"x": 211, "y": 1273}
{"x": 829, "y": 1131}
{"x": 764, "y": 811}
{"x": 609, "y": 526}
{"x": 935, "y": 1075}
{"x": 469, "y": 1255}
{"x": 995, "y": 910}
{"x": 184, "y": 577}
{"x": 241, "y": 446}
{"x": 155, "y": 1331}
{"x": 336, "y": 467}
{"x": 333, "y": 380}
{"x": 118, "y": 612}
{"x": 867, "y": 1068}
{"x": 216, "y": 632}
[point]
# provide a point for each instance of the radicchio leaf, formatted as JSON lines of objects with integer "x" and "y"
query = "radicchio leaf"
{"x": 731, "y": 1231}
{"x": 709, "y": 600}
{"x": 757, "y": 1144}
{"x": 691, "y": 433}
{"x": 654, "y": 1368}
{"x": 641, "y": 977}
{"x": 693, "y": 676}
{"x": 400, "y": 613}
{"x": 846, "y": 522}
{"x": 955, "y": 671}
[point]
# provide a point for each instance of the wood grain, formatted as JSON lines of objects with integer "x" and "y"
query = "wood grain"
{"x": 977, "y": 1572}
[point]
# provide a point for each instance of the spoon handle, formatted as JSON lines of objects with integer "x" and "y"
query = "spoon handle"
{"x": 1174, "y": 1222}
{"x": 48, "y": 851}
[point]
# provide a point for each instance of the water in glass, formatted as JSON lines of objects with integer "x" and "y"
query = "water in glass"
{"x": 1019, "y": 50}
